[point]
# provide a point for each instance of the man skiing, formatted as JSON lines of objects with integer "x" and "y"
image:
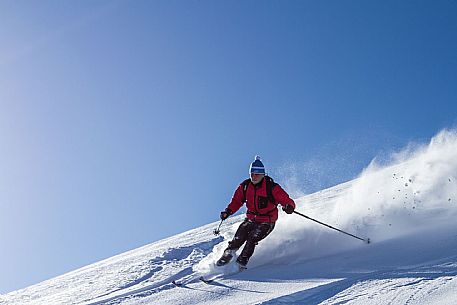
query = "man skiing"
{"x": 261, "y": 195}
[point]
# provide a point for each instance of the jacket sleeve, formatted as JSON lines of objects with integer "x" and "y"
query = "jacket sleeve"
{"x": 237, "y": 200}
{"x": 281, "y": 196}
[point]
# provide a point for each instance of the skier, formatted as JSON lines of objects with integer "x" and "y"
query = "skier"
{"x": 261, "y": 195}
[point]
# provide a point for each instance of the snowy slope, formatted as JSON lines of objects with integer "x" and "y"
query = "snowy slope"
{"x": 407, "y": 208}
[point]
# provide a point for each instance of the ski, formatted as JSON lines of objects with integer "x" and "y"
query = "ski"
{"x": 210, "y": 279}
{"x": 185, "y": 280}
{"x": 206, "y": 281}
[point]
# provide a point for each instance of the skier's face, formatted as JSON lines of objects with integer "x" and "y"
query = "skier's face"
{"x": 256, "y": 178}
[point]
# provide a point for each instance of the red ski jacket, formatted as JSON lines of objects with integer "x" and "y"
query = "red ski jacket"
{"x": 260, "y": 208}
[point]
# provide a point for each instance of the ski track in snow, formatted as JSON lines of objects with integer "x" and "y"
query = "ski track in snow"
{"x": 366, "y": 289}
{"x": 158, "y": 264}
{"x": 408, "y": 210}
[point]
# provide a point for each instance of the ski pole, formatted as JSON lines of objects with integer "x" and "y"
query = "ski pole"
{"x": 329, "y": 226}
{"x": 217, "y": 231}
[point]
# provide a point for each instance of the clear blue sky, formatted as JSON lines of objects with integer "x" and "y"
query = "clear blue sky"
{"x": 124, "y": 122}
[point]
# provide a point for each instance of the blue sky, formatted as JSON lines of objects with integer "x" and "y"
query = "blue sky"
{"x": 124, "y": 122}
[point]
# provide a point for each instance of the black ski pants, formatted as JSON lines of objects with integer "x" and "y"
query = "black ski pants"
{"x": 250, "y": 232}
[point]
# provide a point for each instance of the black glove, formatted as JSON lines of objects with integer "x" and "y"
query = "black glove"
{"x": 288, "y": 208}
{"x": 225, "y": 214}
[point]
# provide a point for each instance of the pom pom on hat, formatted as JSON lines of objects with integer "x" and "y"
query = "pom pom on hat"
{"x": 257, "y": 166}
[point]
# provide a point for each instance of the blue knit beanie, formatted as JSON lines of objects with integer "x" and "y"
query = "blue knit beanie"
{"x": 257, "y": 166}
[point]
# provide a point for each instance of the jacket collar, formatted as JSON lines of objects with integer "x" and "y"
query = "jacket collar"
{"x": 258, "y": 185}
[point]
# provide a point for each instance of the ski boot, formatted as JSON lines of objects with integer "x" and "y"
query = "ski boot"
{"x": 242, "y": 262}
{"x": 226, "y": 257}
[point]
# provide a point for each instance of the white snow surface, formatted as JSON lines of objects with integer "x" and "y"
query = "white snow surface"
{"x": 407, "y": 208}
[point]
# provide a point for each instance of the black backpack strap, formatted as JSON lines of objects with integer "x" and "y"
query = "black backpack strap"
{"x": 270, "y": 184}
{"x": 245, "y": 185}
